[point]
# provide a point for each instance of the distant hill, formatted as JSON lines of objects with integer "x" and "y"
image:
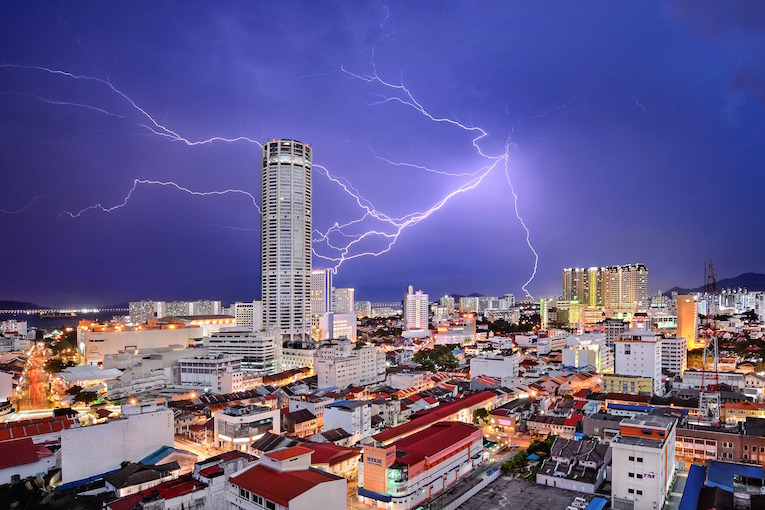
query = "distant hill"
{"x": 18, "y": 305}
{"x": 750, "y": 281}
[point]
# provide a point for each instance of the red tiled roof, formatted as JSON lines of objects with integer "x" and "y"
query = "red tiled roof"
{"x": 279, "y": 486}
{"x": 431, "y": 416}
{"x": 431, "y": 441}
{"x": 330, "y": 453}
{"x": 20, "y": 452}
{"x": 572, "y": 420}
{"x": 212, "y": 470}
{"x": 289, "y": 453}
{"x": 28, "y": 428}
{"x": 168, "y": 490}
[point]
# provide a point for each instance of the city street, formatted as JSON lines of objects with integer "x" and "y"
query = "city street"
{"x": 202, "y": 453}
{"x": 34, "y": 388}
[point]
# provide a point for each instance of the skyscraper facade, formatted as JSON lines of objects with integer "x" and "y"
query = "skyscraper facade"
{"x": 321, "y": 291}
{"x": 618, "y": 288}
{"x": 415, "y": 310}
{"x": 687, "y": 319}
{"x": 286, "y": 238}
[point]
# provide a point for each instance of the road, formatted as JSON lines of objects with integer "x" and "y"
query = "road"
{"x": 34, "y": 388}
{"x": 202, "y": 453}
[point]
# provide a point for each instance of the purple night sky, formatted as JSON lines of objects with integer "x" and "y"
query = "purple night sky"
{"x": 637, "y": 134}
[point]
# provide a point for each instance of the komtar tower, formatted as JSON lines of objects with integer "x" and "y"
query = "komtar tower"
{"x": 286, "y": 238}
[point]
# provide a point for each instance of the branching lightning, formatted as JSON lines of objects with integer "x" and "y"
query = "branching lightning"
{"x": 374, "y": 232}
{"x": 100, "y": 207}
{"x": 23, "y": 209}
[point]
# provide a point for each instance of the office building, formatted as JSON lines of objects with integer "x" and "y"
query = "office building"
{"x": 643, "y": 460}
{"x": 343, "y": 300}
{"x": 340, "y": 363}
{"x": 618, "y": 288}
{"x": 415, "y": 310}
{"x": 687, "y": 320}
{"x": 674, "y": 355}
{"x": 321, "y": 291}
{"x": 248, "y": 315}
{"x": 494, "y": 366}
{"x": 613, "y": 328}
{"x": 260, "y": 351}
{"x": 286, "y": 238}
{"x": 638, "y": 353}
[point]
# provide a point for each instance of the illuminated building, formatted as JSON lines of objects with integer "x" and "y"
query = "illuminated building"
{"x": 95, "y": 341}
{"x": 401, "y": 475}
{"x": 687, "y": 318}
{"x": 236, "y": 427}
{"x": 459, "y": 332}
{"x": 629, "y": 384}
{"x": 341, "y": 363}
{"x": 249, "y": 315}
{"x": 415, "y": 310}
{"x": 363, "y": 309}
{"x": 343, "y": 300}
{"x": 588, "y": 350}
{"x": 615, "y": 287}
{"x": 674, "y": 355}
{"x": 643, "y": 462}
{"x": 494, "y": 366}
{"x": 638, "y": 353}
{"x": 286, "y": 237}
{"x": 259, "y": 350}
{"x": 321, "y": 291}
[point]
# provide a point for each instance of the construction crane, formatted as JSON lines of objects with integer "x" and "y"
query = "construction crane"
{"x": 709, "y": 396}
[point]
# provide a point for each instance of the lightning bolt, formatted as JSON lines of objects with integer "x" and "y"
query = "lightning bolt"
{"x": 637, "y": 103}
{"x": 137, "y": 182}
{"x": 23, "y": 209}
{"x": 343, "y": 239}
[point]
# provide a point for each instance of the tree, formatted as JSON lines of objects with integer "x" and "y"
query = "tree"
{"x": 74, "y": 390}
{"x": 480, "y": 415}
{"x": 86, "y": 397}
{"x": 438, "y": 358}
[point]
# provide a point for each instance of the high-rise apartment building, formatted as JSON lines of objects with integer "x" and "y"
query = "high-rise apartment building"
{"x": 415, "y": 310}
{"x": 286, "y": 237}
{"x": 615, "y": 287}
{"x": 687, "y": 318}
{"x": 343, "y": 300}
{"x": 321, "y": 291}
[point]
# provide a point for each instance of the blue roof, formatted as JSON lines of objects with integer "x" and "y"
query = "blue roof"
{"x": 533, "y": 456}
{"x": 159, "y": 454}
{"x": 630, "y": 407}
{"x": 720, "y": 474}
{"x": 374, "y": 495}
{"x": 693, "y": 485}
{"x": 78, "y": 483}
{"x": 596, "y": 504}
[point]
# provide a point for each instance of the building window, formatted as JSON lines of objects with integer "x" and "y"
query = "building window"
{"x": 640, "y": 493}
{"x": 631, "y": 475}
{"x": 639, "y": 475}
{"x": 640, "y": 459}
{"x": 746, "y": 447}
{"x": 632, "y": 458}
{"x": 631, "y": 491}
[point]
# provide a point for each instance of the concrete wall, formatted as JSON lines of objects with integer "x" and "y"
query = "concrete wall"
{"x": 97, "y": 449}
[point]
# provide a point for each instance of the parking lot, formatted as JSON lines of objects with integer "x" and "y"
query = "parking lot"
{"x": 510, "y": 494}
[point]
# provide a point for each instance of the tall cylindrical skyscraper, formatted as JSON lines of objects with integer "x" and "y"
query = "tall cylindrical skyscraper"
{"x": 286, "y": 238}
